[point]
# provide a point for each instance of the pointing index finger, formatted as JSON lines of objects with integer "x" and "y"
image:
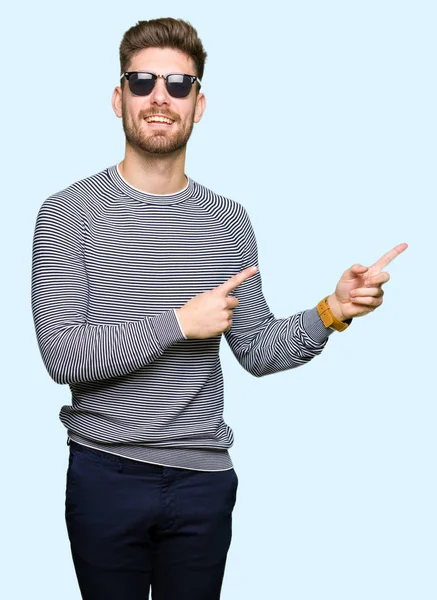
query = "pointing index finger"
{"x": 233, "y": 282}
{"x": 388, "y": 257}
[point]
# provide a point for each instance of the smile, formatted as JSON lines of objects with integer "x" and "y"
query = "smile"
{"x": 159, "y": 119}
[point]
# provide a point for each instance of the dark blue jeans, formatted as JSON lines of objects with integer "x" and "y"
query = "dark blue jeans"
{"x": 136, "y": 525}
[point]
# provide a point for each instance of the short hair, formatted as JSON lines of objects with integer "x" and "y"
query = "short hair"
{"x": 163, "y": 33}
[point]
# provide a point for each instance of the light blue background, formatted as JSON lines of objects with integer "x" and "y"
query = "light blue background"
{"x": 334, "y": 158}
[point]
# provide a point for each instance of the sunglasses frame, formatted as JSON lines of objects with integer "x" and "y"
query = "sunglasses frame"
{"x": 155, "y": 76}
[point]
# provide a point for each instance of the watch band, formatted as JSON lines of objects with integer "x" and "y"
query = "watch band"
{"x": 328, "y": 318}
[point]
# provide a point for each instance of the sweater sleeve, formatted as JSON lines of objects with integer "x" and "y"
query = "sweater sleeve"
{"x": 72, "y": 350}
{"x": 262, "y": 343}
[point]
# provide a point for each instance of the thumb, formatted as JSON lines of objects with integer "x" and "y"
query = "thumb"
{"x": 355, "y": 271}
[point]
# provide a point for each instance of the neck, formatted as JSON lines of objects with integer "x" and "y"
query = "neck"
{"x": 154, "y": 174}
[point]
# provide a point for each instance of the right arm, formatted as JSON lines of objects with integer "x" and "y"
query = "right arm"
{"x": 72, "y": 350}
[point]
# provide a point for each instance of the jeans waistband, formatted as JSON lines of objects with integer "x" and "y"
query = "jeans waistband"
{"x": 115, "y": 458}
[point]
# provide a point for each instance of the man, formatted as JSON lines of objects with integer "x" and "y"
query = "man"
{"x": 137, "y": 272}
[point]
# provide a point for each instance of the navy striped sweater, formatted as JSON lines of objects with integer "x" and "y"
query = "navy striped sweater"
{"x": 111, "y": 264}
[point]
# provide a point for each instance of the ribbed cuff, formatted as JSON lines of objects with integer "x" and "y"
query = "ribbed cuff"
{"x": 167, "y": 329}
{"x": 314, "y": 326}
{"x": 179, "y": 323}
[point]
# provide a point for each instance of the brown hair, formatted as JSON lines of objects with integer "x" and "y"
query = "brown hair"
{"x": 163, "y": 33}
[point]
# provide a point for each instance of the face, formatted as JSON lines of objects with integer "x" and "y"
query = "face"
{"x": 136, "y": 111}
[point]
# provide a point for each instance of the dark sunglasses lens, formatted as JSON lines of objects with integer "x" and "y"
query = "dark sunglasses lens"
{"x": 178, "y": 86}
{"x": 141, "y": 84}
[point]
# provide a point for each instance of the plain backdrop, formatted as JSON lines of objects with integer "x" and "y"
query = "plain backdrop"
{"x": 321, "y": 121}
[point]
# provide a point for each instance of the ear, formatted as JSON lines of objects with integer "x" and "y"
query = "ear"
{"x": 116, "y": 101}
{"x": 200, "y": 107}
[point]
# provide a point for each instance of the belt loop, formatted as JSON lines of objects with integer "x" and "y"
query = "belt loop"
{"x": 68, "y": 441}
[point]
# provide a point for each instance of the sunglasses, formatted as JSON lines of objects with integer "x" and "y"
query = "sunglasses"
{"x": 142, "y": 83}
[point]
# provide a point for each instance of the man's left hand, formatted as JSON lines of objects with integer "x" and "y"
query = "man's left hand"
{"x": 359, "y": 290}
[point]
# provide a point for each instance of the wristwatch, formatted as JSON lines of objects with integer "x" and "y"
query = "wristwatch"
{"x": 328, "y": 318}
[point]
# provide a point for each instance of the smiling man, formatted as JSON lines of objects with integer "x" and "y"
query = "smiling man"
{"x": 138, "y": 270}
{"x": 159, "y": 127}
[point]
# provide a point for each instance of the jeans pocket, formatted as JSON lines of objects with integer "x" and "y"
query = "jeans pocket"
{"x": 234, "y": 487}
{"x": 69, "y": 467}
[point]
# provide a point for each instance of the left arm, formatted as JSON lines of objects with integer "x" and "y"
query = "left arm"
{"x": 262, "y": 343}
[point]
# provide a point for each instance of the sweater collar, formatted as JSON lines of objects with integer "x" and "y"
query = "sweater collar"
{"x": 159, "y": 199}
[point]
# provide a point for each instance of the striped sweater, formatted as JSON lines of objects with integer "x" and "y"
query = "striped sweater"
{"x": 111, "y": 264}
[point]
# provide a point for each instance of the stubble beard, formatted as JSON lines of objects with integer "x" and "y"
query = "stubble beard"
{"x": 157, "y": 142}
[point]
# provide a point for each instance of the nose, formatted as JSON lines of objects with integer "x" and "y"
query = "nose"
{"x": 159, "y": 94}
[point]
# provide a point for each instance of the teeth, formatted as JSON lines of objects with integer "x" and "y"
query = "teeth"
{"x": 159, "y": 120}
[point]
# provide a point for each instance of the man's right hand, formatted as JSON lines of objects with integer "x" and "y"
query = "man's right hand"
{"x": 210, "y": 314}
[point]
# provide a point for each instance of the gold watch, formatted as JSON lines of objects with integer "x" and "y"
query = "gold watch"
{"x": 328, "y": 318}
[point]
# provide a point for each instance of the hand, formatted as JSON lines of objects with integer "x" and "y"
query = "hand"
{"x": 210, "y": 313}
{"x": 359, "y": 290}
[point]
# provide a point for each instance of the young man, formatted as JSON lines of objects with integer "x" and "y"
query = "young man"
{"x": 137, "y": 272}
